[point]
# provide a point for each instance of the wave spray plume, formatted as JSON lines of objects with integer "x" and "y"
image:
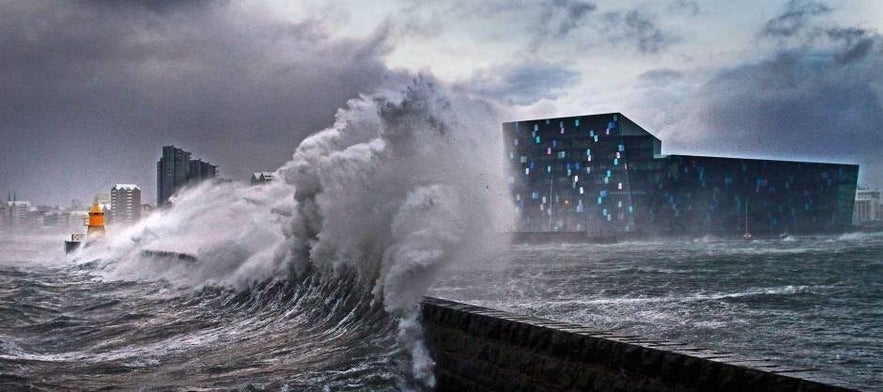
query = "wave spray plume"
{"x": 404, "y": 181}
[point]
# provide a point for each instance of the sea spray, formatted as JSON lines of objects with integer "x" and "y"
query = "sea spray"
{"x": 403, "y": 182}
{"x": 397, "y": 187}
{"x": 232, "y": 229}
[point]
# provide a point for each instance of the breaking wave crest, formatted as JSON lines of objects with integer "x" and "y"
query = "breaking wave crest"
{"x": 405, "y": 181}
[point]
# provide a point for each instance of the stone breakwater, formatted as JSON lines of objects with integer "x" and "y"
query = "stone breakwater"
{"x": 482, "y": 349}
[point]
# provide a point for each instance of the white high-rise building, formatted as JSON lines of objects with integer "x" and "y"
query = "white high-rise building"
{"x": 125, "y": 204}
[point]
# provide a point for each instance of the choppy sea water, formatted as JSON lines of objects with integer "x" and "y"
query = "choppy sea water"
{"x": 805, "y": 301}
{"x": 62, "y": 327}
{"x": 810, "y": 302}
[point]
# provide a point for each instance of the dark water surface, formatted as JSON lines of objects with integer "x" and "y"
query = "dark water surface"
{"x": 805, "y": 301}
{"x": 64, "y": 328}
{"x": 811, "y": 302}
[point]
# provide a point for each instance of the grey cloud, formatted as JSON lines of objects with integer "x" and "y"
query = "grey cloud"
{"x": 98, "y": 87}
{"x": 818, "y": 95}
{"x": 661, "y": 75}
{"x": 544, "y": 24}
{"x": 800, "y": 25}
{"x": 857, "y": 51}
{"x": 636, "y": 27}
{"x": 686, "y": 7}
{"x": 159, "y": 6}
{"x": 855, "y": 43}
{"x": 566, "y": 15}
{"x": 521, "y": 84}
{"x": 794, "y": 18}
{"x": 618, "y": 28}
{"x": 801, "y": 103}
{"x": 571, "y": 19}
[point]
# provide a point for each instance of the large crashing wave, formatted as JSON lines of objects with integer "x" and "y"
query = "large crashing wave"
{"x": 405, "y": 181}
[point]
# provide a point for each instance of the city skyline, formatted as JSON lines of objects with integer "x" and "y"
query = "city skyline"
{"x": 93, "y": 90}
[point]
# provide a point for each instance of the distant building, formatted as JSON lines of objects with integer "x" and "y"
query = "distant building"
{"x": 125, "y": 204}
{"x": 175, "y": 169}
{"x": 19, "y": 214}
{"x": 146, "y": 209}
{"x": 262, "y": 178}
{"x": 201, "y": 170}
{"x": 604, "y": 175}
{"x": 868, "y": 206}
{"x": 56, "y": 218}
{"x": 103, "y": 200}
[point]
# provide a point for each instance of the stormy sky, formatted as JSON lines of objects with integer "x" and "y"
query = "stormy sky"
{"x": 91, "y": 90}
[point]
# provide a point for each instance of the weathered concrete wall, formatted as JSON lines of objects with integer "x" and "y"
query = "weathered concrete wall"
{"x": 481, "y": 349}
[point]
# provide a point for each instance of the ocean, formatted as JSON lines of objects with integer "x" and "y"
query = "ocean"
{"x": 813, "y": 302}
{"x": 65, "y": 327}
{"x": 806, "y": 301}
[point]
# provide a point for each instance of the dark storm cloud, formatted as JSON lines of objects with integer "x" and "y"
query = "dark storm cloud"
{"x": 565, "y": 15}
{"x": 97, "y": 87}
{"x": 160, "y": 6}
{"x": 800, "y": 100}
{"x": 857, "y": 43}
{"x": 578, "y": 21}
{"x": 819, "y": 98}
{"x": 544, "y": 24}
{"x": 795, "y": 17}
{"x": 521, "y": 84}
{"x": 618, "y": 28}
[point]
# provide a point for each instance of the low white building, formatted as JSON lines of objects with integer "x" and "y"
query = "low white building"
{"x": 19, "y": 214}
{"x": 868, "y": 206}
{"x": 262, "y": 178}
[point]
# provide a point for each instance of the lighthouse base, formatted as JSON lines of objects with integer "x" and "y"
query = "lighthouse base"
{"x": 70, "y": 246}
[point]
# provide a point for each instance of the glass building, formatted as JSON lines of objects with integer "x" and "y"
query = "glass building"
{"x": 605, "y": 175}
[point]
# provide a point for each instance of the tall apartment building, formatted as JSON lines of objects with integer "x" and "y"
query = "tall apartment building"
{"x": 125, "y": 204}
{"x": 604, "y": 174}
{"x": 175, "y": 169}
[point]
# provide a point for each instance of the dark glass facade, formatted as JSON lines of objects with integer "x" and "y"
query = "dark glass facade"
{"x": 604, "y": 175}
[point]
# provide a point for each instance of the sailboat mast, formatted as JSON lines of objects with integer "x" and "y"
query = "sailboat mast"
{"x": 746, "y": 216}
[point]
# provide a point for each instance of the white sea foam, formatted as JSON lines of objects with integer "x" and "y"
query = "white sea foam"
{"x": 404, "y": 182}
{"x": 860, "y": 236}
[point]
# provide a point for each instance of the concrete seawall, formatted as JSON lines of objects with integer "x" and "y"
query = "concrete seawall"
{"x": 481, "y": 349}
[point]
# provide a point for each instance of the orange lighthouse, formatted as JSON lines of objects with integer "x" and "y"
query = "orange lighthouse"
{"x": 95, "y": 226}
